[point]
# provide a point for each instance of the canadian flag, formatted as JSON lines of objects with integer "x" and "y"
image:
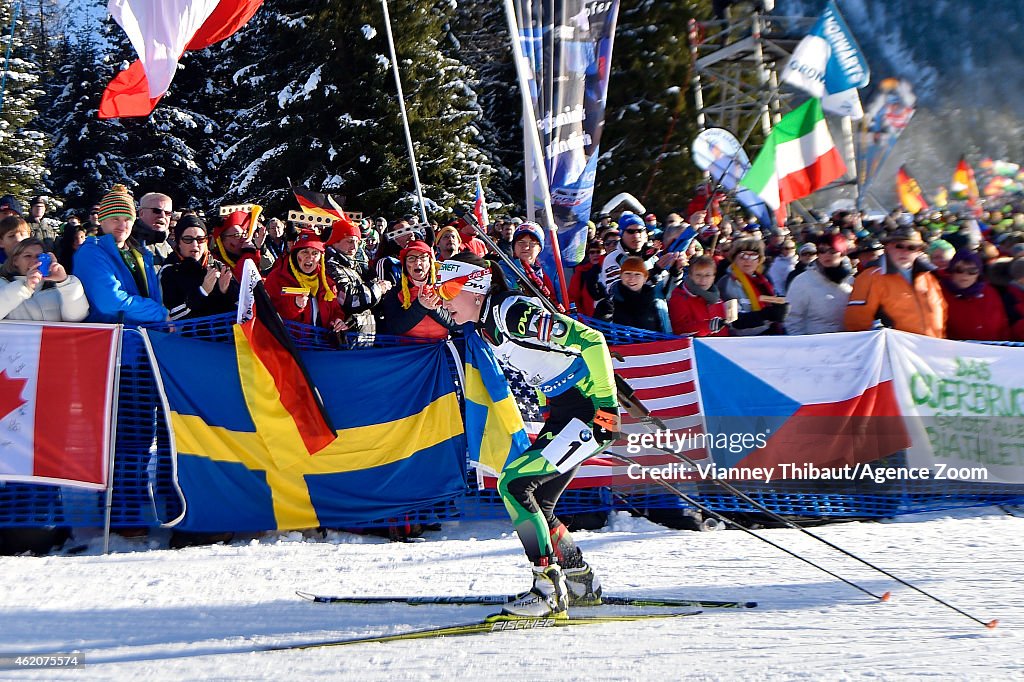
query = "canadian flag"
{"x": 56, "y": 388}
{"x": 161, "y": 32}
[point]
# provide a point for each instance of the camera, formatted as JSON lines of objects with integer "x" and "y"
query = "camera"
{"x": 45, "y": 260}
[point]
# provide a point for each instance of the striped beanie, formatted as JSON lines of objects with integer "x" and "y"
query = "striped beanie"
{"x": 117, "y": 202}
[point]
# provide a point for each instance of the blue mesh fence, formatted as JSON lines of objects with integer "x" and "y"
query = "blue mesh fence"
{"x": 144, "y": 493}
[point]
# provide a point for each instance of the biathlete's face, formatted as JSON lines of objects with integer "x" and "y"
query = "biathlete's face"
{"x": 308, "y": 260}
{"x": 464, "y": 306}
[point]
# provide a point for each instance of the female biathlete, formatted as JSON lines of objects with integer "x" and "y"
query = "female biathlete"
{"x": 569, "y": 364}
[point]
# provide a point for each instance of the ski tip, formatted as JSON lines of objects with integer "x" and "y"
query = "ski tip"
{"x": 991, "y": 625}
{"x": 885, "y": 597}
{"x": 750, "y": 605}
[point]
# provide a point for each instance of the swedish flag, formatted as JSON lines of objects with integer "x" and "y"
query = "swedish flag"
{"x": 494, "y": 425}
{"x": 241, "y": 464}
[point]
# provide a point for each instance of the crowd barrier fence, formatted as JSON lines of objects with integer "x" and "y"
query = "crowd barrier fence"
{"x": 144, "y": 494}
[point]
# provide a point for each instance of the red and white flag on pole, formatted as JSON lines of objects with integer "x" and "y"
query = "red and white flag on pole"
{"x": 161, "y": 32}
{"x": 56, "y": 388}
{"x": 480, "y": 205}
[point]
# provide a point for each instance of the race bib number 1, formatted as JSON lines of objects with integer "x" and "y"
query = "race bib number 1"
{"x": 570, "y": 446}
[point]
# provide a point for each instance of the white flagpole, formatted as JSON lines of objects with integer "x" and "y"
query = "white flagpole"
{"x": 533, "y": 147}
{"x": 405, "y": 116}
{"x": 534, "y": 151}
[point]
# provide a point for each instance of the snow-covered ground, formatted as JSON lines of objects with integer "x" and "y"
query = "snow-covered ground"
{"x": 143, "y": 613}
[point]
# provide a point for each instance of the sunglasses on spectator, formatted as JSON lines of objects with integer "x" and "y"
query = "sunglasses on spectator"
{"x": 233, "y": 235}
{"x": 749, "y": 255}
{"x": 825, "y": 250}
{"x": 636, "y": 230}
{"x": 610, "y": 243}
{"x": 965, "y": 271}
{"x": 907, "y": 247}
{"x": 159, "y": 211}
{"x": 189, "y": 239}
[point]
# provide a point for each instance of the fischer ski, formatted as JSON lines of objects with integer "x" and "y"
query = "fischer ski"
{"x": 497, "y": 622}
{"x": 500, "y": 599}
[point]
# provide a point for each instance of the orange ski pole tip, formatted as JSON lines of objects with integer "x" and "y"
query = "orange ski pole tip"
{"x": 991, "y": 625}
{"x": 885, "y": 597}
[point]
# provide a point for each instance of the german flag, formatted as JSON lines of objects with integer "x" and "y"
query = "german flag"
{"x": 317, "y": 203}
{"x": 268, "y": 358}
{"x": 909, "y": 191}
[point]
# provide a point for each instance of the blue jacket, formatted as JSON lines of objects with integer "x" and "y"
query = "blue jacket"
{"x": 110, "y": 287}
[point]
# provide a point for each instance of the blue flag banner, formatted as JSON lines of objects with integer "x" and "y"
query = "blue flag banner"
{"x": 829, "y": 65}
{"x": 568, "y": 47}
{"x": 400, "y": 446}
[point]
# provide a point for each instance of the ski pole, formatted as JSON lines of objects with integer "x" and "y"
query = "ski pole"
{"x": 729, "y": 522}
{"x": 637, "y": 410}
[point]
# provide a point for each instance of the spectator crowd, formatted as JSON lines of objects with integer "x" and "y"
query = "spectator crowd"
{"x": 142, "y": 262}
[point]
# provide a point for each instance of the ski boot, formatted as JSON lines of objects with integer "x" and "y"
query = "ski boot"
{"x": 584, "y": 586}
{"x": 547, "y": 598}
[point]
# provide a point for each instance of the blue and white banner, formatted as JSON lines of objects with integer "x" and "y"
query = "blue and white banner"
{"x": 568, "y": 47}
{"x": 828, "y": 64}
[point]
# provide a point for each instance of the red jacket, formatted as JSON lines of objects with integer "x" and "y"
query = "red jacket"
{"x": 690, "y": 314}
{"x": 1015, "y": 302}
{"x": 281, "y": 276}
{"x": 976, "y": 318}
{"x": 579, "y": 292}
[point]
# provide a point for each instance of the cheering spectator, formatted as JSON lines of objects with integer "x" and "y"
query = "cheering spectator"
{"x": 817, "y": 298}
{"x": 232, "y": 244}
{"x": 975, "y": 309}
{"x": 397, "y": 237}
{"x": 119, "y": 278}
{"x": 470, "y": 242}
{"x": 27, "y": 294}
{"x": 355, "y": 290}
{"x": 13, "y": 229}
{"x": 900, "y": 291}
{"x": 448, "y": 243}
{"x": 300, "y": 288}
{"x": 403, "y": 312}
{"x": 583, "y": 287}
{"x": 71, "y": 238}
{"x": 697, "y": 307}
{"x": 42, "y": 228}
{"x": 196, "y": 285}
{"x": 1014, "y": 298}
{"x": 758, "y": 309}
{"x": 783, "y": 264}
{"x": 635, "y": 301}
{"x": 527, "y": 243}
{"x": 152, "y": 228}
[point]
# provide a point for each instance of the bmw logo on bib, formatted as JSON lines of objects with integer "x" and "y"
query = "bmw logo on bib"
{"x": 586, "y": 435}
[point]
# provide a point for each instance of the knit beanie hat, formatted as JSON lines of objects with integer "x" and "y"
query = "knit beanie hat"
{"x": 187, "y": 221}
{"x": 530, "y": 228}
{"x": 118, "y": 202}
{"x": 629, "y": 219}
{"x": 634, "y": 264}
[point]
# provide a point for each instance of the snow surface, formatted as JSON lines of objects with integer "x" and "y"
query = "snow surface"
{"x": 150, "y": 613}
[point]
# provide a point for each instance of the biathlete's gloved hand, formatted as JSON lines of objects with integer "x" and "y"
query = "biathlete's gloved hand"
{"x": 607, "y": 425}
{"x": 715, "y": 324}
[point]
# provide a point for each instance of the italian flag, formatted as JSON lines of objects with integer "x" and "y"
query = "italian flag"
{"x": 798, "y": 158}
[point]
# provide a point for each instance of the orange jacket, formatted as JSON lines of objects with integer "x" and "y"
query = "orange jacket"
{"x": 879, "y": 293}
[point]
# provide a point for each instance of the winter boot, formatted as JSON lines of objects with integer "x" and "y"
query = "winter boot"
{"x": 584, "y": 586}
{"x": 547, "y": 598}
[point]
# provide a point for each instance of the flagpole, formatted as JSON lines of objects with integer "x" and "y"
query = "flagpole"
{"x": 112, "y": 440}
{"x": 534, "y": 147}
{"x": 405, "y": 115}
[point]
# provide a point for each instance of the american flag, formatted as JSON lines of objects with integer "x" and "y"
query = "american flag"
{"x": 664, "y": 376}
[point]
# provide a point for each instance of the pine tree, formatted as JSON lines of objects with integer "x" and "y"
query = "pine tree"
{"x": 326, "y": 114}
{"x": 649, "y": 122}
{"x": 23, "y": 145}
{"x": 479, "y": 39}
